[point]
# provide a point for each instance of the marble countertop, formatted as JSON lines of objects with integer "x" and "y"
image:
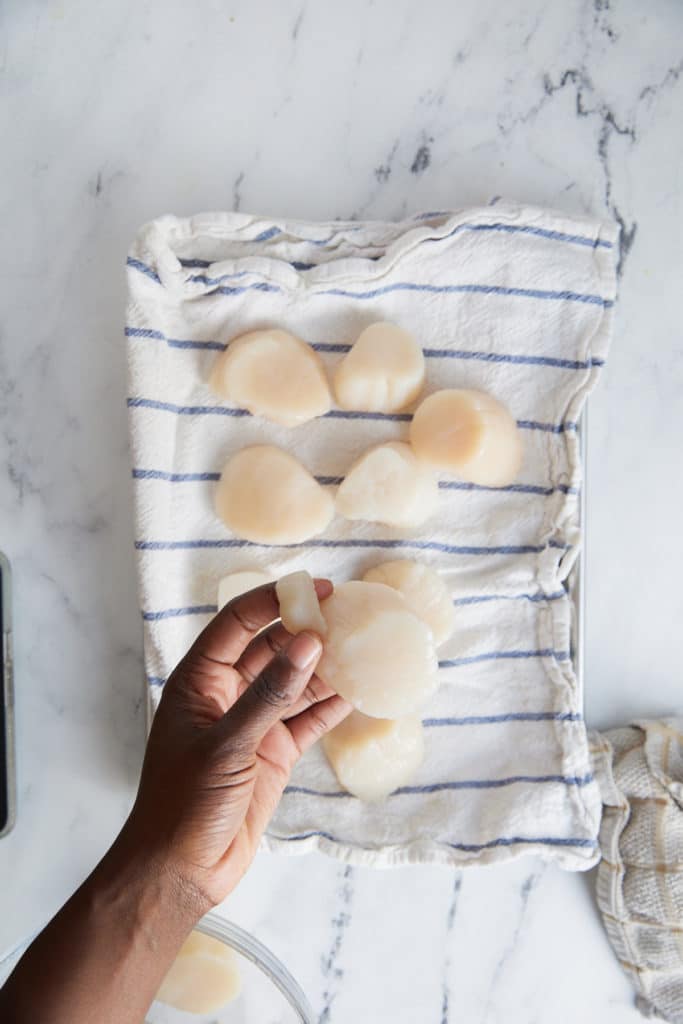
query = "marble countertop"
{"x": 116, "y": 113}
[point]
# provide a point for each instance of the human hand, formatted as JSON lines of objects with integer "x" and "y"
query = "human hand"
{"x": 235, "y": 716}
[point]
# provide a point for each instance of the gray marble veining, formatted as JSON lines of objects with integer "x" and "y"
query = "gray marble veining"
{"x": 115, "y": 113}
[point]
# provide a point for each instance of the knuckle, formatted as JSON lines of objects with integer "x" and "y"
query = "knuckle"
{"x": 316, "y": 690}
{"x": 273, "y": 641}
{"x": 242, "y": 619}
{"x": 317, "y": 722}
{"x": 274, "y": 684}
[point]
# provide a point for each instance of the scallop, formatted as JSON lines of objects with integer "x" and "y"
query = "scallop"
{"x": 266, "y": 496}
{"x": 203, "y": 978}
{"x": 299, "y": 606}
{"x": 424, "y": 591}
{"x": 237, "y": 583}
{"x": 388, "y": 484}
{"x": 468, "y": 433}
{"x": 383, "y": 372}
{"x": 273, "y": 374}
{"x": 372, "y": 757}
{"x": 377, "y": 653}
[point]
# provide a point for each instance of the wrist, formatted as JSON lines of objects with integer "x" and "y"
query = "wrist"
{"x": 142, "y": 883}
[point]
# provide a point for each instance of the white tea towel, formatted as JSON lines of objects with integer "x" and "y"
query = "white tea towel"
{"x": 640, "y": 881}
{"x": 514, "y": 300}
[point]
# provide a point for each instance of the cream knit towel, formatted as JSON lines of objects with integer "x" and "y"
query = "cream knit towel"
{"x": 640, "y": 878}
{"x": 515, "y": 300}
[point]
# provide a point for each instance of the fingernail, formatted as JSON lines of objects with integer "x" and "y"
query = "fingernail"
{"x": 303, "y": 649}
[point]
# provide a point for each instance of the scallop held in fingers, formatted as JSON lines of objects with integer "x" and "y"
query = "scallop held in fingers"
{"x": 377, "y": 653}
{"x": 299, "y": 605}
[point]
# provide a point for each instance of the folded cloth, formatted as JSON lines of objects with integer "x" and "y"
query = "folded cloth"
{"x": 510, "y": 299}
{"x": 640, "y": 878}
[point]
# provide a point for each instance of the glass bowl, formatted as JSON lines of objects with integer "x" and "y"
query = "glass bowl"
{"x": 269, "y": 993}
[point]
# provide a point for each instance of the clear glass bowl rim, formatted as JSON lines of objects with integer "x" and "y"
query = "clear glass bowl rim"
{"x": 248, "y": 946}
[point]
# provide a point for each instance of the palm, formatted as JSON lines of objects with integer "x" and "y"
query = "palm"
{"x": 228, "y": 788}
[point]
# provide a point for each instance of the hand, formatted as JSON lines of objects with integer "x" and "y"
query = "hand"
{"x": 235, "y": 716}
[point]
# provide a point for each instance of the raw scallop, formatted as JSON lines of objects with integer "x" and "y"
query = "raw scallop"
{"x": 203, "y": 978}
{"x": 377, "y": 653}
{"x": 470, "y": 434}
{"x": 273, "y": 374}
{"x": 372, "y": 757}
{"x": 388, "y": 484}
{"x": 266, "y": 496}
{"x": 299, "y": 607}
{"x": 237, "y": 583}
{"x": 424, "y": 591}
{"x": 383, "y": 372}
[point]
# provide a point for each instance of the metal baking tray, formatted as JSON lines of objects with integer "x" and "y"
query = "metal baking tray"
{"x": 576, "y": 583}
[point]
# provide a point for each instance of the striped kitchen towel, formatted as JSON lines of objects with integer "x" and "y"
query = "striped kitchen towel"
{"x": 514, "y": 300}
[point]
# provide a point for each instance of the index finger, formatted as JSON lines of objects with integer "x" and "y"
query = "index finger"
{"x": 227, "y": 635}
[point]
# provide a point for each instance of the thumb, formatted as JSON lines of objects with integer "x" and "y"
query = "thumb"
{"x": 273, "y": 692}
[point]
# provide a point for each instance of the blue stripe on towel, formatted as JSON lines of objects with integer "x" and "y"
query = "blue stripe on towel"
{"x": 258, "y": 286}
{"x": 344, "y": 414}
{"x": 266, "y": 235}
{"x": 274, "y": 231}
{"x": 464, "y": 847}
{"x": 483, "y": 598}
{"x": 590, "y": 844}
{"x": 211, "y": 609}
{"x": 528, "y": 229}
{"x": 455, "y": 485}
{"x": 330, "y": 481}
{"x": 405, "y": 286}
{"x": 175, "y": 613}
{"x": 429, "y": 353}
{"x": 524, "y": 360}
{"x": 438, "y": 787}
{"x": 421, "y": 545}
{"x": 473, "y": 659}
{"x": 185, "y": 410}
{"x": 144, "y": 332}
{"x": 189, "y": 343}
{"x": 331, "y": 346}
{"x": 175, "y": 478}
{"x": 511, "y": 716}
{"x": 233, "y": 276}
{"x": 340, "y": 414}
{"x": 460, "y": 485}
{"x": 487, "y": 357}
{"x": 552, "y": 428}
{"x": 143, "y": 268}
{"x": 476, "y": 289}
